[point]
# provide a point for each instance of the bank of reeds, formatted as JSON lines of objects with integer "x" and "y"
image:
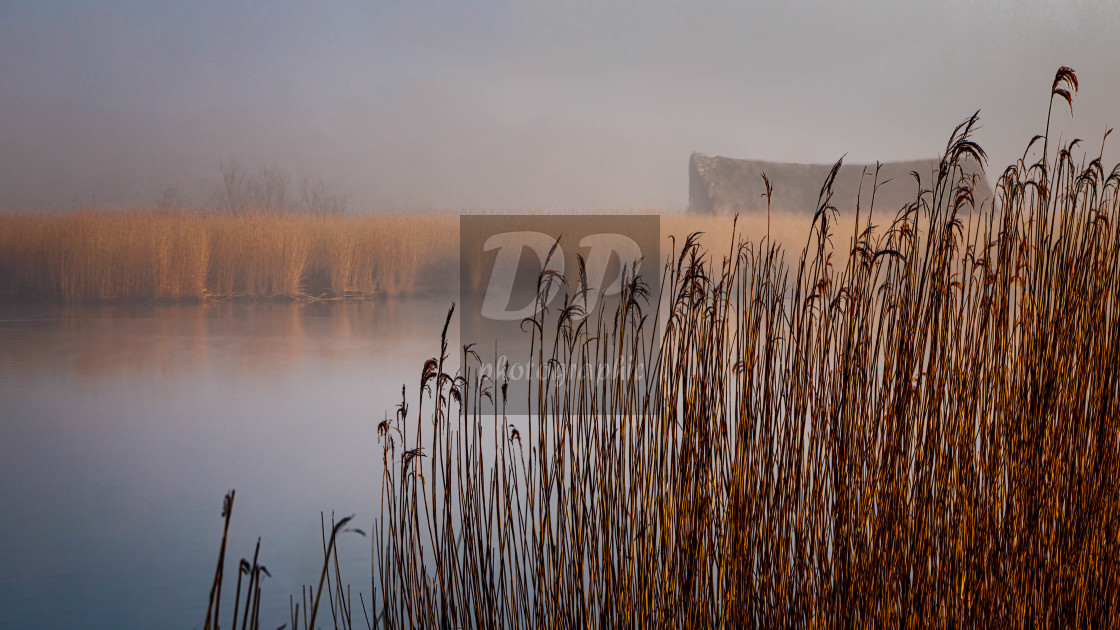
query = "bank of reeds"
{"x": 91, "y": 256}
{"x": 925, "y": 435}
{"x": 142, "y": 255}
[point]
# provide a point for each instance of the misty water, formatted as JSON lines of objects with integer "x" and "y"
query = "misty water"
{"x": 124, "y": 426}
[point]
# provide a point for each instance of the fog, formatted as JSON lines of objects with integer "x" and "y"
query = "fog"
{"x": 519, "y": 106}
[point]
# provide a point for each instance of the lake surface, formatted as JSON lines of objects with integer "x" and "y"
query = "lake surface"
{"x": 123, "y": 427}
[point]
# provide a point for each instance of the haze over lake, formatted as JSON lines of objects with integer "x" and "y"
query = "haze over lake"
{"x": 231, "y": 231}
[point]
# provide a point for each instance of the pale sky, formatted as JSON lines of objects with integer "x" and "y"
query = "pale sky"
{"x": 520, "y": 106}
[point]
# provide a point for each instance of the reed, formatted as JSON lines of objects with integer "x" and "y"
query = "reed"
{"x": 339, "y": 597}
{"x": 920, "y": 431}
{"x": 97, "y": 256}
{"x": 255, "y": 571}
{"x": 142, "y": 255}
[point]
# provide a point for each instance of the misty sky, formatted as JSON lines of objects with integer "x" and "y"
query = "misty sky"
{"x": 519, "y": 106}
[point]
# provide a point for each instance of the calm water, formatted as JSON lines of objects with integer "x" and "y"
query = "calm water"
{"x": 123, "y": 427}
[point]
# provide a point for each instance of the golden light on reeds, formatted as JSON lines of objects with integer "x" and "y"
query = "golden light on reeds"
{"x": 91, "y": 256}
{"x": 922, "y": 434}
{"x": 183, "y": 256}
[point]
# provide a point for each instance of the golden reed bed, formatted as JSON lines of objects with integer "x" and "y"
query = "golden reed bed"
{"x": 148, "y": 255}
{"x": 138, "y": 255}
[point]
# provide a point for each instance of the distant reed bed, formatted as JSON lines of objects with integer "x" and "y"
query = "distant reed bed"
{"x": 90, "y": 256}
{"x": 924, "y": 435}
{"x": 140, "y": 255}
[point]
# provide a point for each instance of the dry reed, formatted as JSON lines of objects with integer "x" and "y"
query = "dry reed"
{"x": 924, "y": 435}
{"x": 105, "y": 256}
{"x": 92, "y": 256}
